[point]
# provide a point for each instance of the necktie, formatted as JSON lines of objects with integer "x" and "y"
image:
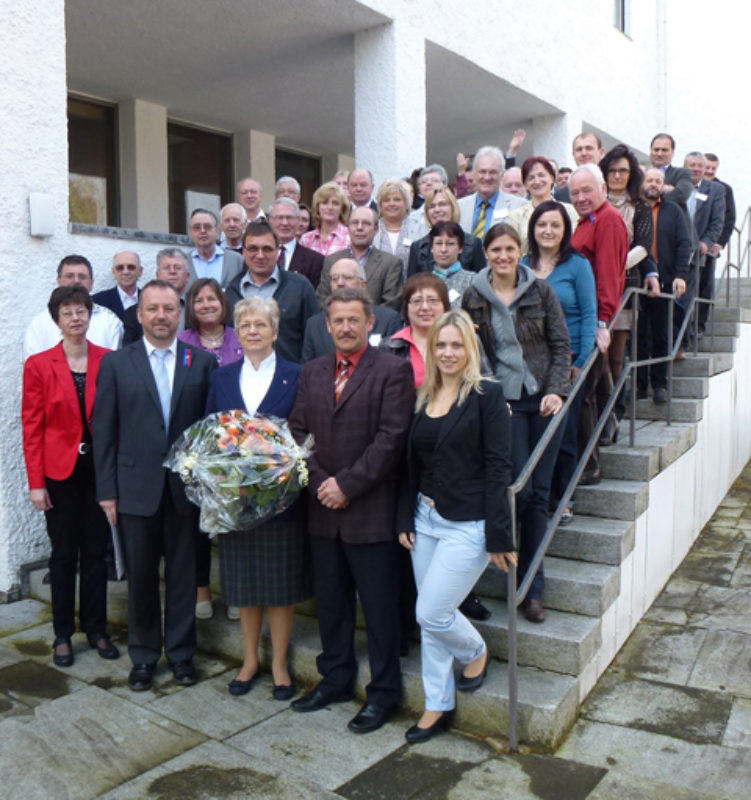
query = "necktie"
{"x": 342, "y": 376}
{"x": 163, "y": 383}
{"x": 282, "y": 256}
{"x": 479, "y": 230}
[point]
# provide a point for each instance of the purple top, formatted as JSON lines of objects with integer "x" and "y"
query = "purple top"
{"x": 228, "y": 352}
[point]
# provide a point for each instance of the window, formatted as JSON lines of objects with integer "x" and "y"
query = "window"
{"x": 92, "y": 163}
{"x": 199, "y": 172}
{"x": 623, "y": 16}
{"x": 306, "y": 169}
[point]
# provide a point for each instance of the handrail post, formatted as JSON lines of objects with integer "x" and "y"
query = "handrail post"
{"x": 513, "y": 676}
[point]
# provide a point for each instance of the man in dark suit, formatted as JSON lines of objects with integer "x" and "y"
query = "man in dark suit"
{"x": 207, "y": 258}
{"x": 126, "y": 269}
{"x": 360, "y": 186}
{"x": 284, "y": 217}
{"x": 672, "y": 254}
{"x": 357, "y": 404}
{"x": 171, "y": 266}
{"x": 586, "y": 149}
{"x": 348, "y": 273}
{"x": 383, "y": 272}
{"x": 147, "y": 394}
{"x": 678, "y": 184}
{"x": 706, "y": 205}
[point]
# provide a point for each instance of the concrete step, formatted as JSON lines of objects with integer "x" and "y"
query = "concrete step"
{"x": 547, "y": 700}
{"x": 697, "y": 388}
{"x": 683, "y": 410}
{"x": 720, "y": 344}
{"x": 702, "y": 365}
{"x": 572, "y": 586}
{"x": 723, "y": 328}
{"x": 597, "y": 540}
{"x": 615, "y": 499}
{"x": 731, "y": 313}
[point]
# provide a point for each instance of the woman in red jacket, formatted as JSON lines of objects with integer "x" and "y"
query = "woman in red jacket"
{"x": 58, "y": 399}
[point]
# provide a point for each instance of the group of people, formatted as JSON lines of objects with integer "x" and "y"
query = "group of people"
{"x": 426, "y": 342}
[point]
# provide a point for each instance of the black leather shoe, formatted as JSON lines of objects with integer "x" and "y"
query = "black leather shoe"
{"x": 415, "y": 734}
{"x": 141, "y": 677}
{"x": 369, "y": 718}
{"x": 102, "y": 644}
{"x": 590, "y": 477}
{"x": 316, "y": 699}
{"x": 472, "y": 607}
{"x": 660, "y": 395}
{"x": 532, "y": 609}
{"x": 283, "y": 691}
{"x": 184, "y": 672}
{"x": 473, "y": 684}
{"x": 238, "y": 687}
{"x": 64, "y": 658}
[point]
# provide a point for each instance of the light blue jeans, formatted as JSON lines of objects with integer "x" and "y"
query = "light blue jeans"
{"x": 448, "y": 559}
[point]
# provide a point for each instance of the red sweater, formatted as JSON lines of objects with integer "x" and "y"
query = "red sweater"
{"x": 603, "y": 238}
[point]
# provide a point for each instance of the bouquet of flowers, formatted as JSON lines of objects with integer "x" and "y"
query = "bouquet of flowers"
{"x": 240, "y": 469}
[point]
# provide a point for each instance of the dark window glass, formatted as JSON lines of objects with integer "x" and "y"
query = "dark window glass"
{"x": 306, "y": 169}
{"x": 199, "y": 171}
{"x": 92, "y": 163}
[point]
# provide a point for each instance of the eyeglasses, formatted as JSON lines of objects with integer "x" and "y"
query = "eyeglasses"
{"x": 123, "y": 267}
{"x": 267, "y": 249}
{"x": 416, "y": 302}
{"x": 617, "y": 171}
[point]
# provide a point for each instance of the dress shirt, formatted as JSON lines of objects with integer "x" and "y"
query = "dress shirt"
{"x": 105, "y": 329}
{"x": 254, "y": 383}
{"x": 337, "y": 240}
{"x": 488, "y": 211}
{"x": 211, "y": 268}
{"x": 249, "y": 288}
{"x": 126, "y": 299}
{"x": 289, "y": 251}
{"x": 169, "y": 359}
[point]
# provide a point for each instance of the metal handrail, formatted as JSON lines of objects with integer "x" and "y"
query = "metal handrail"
{"x": 515, "y": 595}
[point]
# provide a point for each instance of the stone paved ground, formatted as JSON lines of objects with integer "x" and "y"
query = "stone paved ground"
{"x": 670, "y": 719}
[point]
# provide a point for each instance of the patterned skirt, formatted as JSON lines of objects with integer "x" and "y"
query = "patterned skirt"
{"x": 269, "y": 565}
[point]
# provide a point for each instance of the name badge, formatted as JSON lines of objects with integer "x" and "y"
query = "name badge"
{"x": 453, "y": 296}
{"x": 701, "y": 196}
{"x": 374, "y": 339}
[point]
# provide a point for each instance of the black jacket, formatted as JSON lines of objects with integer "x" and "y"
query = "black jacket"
{"x": 472, "y": 257}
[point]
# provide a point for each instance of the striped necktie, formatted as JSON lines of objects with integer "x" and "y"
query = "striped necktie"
{"x": 479, "y": 230}
{"x": 163, "y": 383}
{"x": 342, "y": 376}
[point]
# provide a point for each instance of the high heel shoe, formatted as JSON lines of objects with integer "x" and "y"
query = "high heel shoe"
{"x": 62, "y": 659}
{"x": 473, "y": 684}
{"x": 416, "y": 734}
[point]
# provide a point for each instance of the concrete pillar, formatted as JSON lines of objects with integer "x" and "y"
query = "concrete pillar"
{"x": 144, "y": 191}
{"x": 553, "y": 136}
{"x": 255, "y": 157}
{"x": 390, "y": 99}
{"x": 333, "y": 162}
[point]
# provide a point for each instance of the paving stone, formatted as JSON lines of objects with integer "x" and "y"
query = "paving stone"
{"x": 702, "y": 768}
{"x": 32, "y": 684}
{"x": 695, "y": 715}
{"x": 317, "y": 746}
{"x": 35, "y": 643}
{"x": 615, "y": 786}
{"x": 213, "y": 770}
{"x": 10, "y": 707}
{"x": 661, "y": 652}
{"x": 83, "y": 744}
{"x": 738, "y": 730}
{"x": 9, "y": 656}
{"x": 723, "y": 663}
{"x": 672, "y": 603}
{"x": 208, "y": 707}
{"x": 714, "y": 568}
{"x": 718, "y": 607}
{"x": 23, "y": 614}
{"x": 742, "y": 574}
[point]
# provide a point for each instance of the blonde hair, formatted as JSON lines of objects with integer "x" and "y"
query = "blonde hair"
{"x": 456, "y": 214}
{"x": 395, "y": 186}
{"x": 322, "y": 193}
{"x": 471, "y": 378}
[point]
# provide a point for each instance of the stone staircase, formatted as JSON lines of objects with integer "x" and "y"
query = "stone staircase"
{"x": 585, "y": 594}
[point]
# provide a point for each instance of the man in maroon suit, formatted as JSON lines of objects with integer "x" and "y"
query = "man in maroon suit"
{"x": 357, "y": 404}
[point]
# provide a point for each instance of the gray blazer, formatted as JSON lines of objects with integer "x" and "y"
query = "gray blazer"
{"x": 383, "y": 273}
{"x": 504, "y": 205}
{"x": 232, "y": 264}
{"x": 130, "y": 440}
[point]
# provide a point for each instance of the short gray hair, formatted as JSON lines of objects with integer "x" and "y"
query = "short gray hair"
{"x": 120, "y": 252}
{"x": 171, "y": 252}
{"x": 435, "y": 168}
{"x": 693, "y": 154}
{"x": 287, "y": 179}
{"x": 236, "y": 205}
{"x": 592, "y": 169}
{"x": 489, "y": 150}
{"x": 286, "y": 201}
{"x": 258, "y": 305}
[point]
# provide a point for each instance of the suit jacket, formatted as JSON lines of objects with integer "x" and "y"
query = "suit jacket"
{"x": 308, "y": 263}
{"x": 318, "y": 341}
{"x": 225, "y": 395}
{"x": 130, "y": 439}
{"x": 471, "y": 468}
{"x": 51, "y": 414}
{"x": 673, "y": 245}
{"x": 503, "y": 206}
{"x": 729, "y": 222}
{"x": 709, "y": 215}
{"x": 132, "y": 330}
{"x": 359, "y": 441}
{"x": 680, "y": 179}
{"x": 110, "y": 298}
{"x": 383, "y": 273}
{"x": 232, "y": 264}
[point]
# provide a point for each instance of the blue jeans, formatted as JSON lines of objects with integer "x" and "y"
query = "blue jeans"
{"x": 448, "y": 559}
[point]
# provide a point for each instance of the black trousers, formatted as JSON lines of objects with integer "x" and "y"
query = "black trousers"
{"x": 372, "y": 570}
{"x": 706, "y": 288}
{"x": 78, "y": 530}
{"x": 652, "y": 341}
{"x": 589, "y": 414}
{"x": 172, "y": 535}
